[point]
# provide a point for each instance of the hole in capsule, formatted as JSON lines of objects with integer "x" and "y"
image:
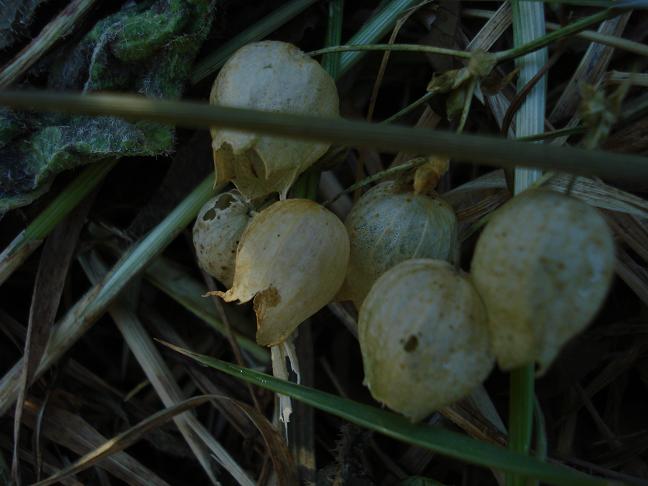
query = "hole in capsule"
{"x": 411, "y": 344}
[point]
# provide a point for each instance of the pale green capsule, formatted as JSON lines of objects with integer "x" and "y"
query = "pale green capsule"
{"x": 216, "y": 234}
{"x": 387, "y": 226}
{"x": 291, "y": 260}
{"x": 423, "y": 337}
{"x": 543, "y": 266}
{"x": 278, "y": 77}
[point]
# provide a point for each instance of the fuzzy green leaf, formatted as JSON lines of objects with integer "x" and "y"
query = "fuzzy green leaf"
{"x": 146, "y": 47}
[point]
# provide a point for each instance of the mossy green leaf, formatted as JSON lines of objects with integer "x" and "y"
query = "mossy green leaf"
{"x": 146, "y": 47}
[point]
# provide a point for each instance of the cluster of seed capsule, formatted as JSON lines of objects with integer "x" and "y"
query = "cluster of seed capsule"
{"x": 429, "y": 333}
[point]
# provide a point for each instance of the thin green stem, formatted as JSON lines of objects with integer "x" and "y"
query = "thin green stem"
{"x": 590, "y": 35}
{"x": 412, "y": 164}
{"x": 390, "y": 138}
{"x": 375, "y": 28}
{"x": 520, "y": 414}
{"x": 501, "y": 56}
{"x": 409, "y": 108}
{"x": 394, "y": 47}
{"x": 256, "y": 32}
{"x": 554, "y": 36}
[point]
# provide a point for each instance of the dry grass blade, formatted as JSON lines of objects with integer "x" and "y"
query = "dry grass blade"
{"x": 171, "y": 279}
{"x": 599, "y": 194}
{"x": 167, "y": 332}
{"x": 60, "y": 26}
{"x": 161, "y": 378}
{"x": 109, "y": 448}
{"x": 50, "y": 279}
{"x": 590, "y": 70}
{"x": 493, "y": 29}
{"x": 47, "y": 465}
{"x": 73, "y": 432}
{"x": 632, "y": 230}
{"x": 636, "y": 79}
{"x": 487, "y": 150}
{"x": 94, "y": 303}
{"x": 633, "y": 274}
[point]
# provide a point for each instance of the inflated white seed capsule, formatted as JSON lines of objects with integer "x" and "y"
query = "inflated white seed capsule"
{"x": 389, "y": 225}
{"x": 291, "y": 260}
{"x": 543, "y": 265}
{"x": 423, "y": 337}
{"x": 217, "y": 232}
{"x": 278, "y": 77}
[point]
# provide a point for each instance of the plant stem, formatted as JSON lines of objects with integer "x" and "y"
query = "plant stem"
{"x": 409, "y": 108}
{"x": 501, "y": 56}
{"x": 393, "y": 47}
{"x": 520, "y": 415}
{"x": 558, "y": 34}
{"x": 375, "y": 28}
{"x": 390, "y": 138}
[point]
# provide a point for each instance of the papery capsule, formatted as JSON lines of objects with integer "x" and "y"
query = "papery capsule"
{"x": 216, "y": 234}
{"x": 424, "y": 338}
{"x": 389, "y": 225}
{"x": 291, "y": 260}
{"x": 278, "y": 77}
{"x": 543, "y": 265}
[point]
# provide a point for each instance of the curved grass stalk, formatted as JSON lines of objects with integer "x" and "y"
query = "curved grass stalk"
{"x": 437, "y": 439}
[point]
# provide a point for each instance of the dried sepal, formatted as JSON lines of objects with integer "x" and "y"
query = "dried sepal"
{"x": 389, "y": 225}
{"x": 216, "y": 234}
{"x": 291, "y": 260}
{"x": 278, "y": 77}
{"x": 423, "y": 337}
{"x": 543, "y": 266}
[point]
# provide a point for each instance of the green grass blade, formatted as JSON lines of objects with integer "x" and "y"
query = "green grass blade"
{"x": 375, "y": 28}
{"x": 258, "y": 31}
{"x": 392, "y": 139}
{"x": 28, "y": 240}
{"x": 437, "y": 439}
{"x": 331, "y": 62}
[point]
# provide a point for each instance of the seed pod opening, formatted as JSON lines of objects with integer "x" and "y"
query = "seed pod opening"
{"x": 543, "y": 266}
{"x": 216, "y": 234}
{"x": 423, "y": 337}
{"x": 278, "y": 77}
{"x": 291, "y": 260}
{"x": 389, "y": 225}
